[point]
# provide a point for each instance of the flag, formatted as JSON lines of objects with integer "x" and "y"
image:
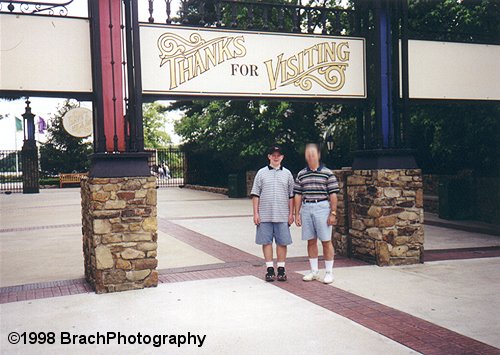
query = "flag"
{"x": 42, "y": 125}
{"x": 19, "y": 124}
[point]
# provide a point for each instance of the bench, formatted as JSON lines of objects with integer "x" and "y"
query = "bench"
{"x": 73, "y": 178}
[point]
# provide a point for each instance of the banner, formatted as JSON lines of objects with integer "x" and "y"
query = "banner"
{"x": 192, "y": 61}
{"x": 45, "y": 53}
{"x": 453, "y": 71}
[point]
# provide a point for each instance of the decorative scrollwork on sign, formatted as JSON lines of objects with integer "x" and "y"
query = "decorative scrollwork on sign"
{"x": 333, "y": 77}
{"x": 26, "y": 7}
{"x": 171, "y": 45}
{"x": 192, "y": 55}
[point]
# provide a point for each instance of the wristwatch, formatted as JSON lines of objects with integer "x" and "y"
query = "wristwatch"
{"x": 334, "y": 213}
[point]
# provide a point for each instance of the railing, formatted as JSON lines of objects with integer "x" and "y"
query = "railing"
{"x": 11, "y": 176}
{"x": 168, "y": 165}
{"x": 256, "y": 16}
{"x": 47, "y": 8}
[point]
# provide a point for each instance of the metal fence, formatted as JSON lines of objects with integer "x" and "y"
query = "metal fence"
{"x": 11, "y": 176}
{"x": 171, "y": 174}
{"x": 169, "y": 166}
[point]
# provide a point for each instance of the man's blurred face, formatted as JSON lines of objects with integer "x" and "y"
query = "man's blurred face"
{"x": 276, "y": 158}
{"x": 312, "y": 155}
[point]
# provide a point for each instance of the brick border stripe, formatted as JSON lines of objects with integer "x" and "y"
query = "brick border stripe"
{"x": 462, "y": 253}
{"x": 43, "y": 290}
{"x": 34, "y": 228}
{"x": 206, "y": 244}
{"x": 209, "y": 217}
{"x": 45, "y": 206}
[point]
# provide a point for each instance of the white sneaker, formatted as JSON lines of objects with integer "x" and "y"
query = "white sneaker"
{"x": 328, "y": 279}
{"x": 311, "y": 276}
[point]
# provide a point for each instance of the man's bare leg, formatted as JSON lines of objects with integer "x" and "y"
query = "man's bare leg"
{"x": 327, "y": 250}
{"x": 312, "y": 248}
{"x": 328, "y": 254}
{"x": 267, "y": 249}
{"x": 281, "y": 253}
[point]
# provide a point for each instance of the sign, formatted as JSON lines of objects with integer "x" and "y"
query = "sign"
{"x": 45, "y": 53}
{"x": 78, "y": 122}
{"x": 456, "y": 71}
{"x": 193, "y": 61}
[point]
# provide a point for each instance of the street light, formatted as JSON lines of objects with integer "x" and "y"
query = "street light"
{"x": 29, "y": 124}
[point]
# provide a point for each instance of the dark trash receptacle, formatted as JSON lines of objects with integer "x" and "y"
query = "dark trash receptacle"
{"x": 455, "y": 198}
{"x": 236, "y": 186}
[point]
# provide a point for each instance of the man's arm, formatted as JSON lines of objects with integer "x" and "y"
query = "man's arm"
{"x": 297, "y": 190}
{"x": 332, "y": 218}
{"x": 290, "y": 211}
{"x": 256, "y": 216}
{"x": 291, "y": 194}
{"x": 256, "y": 191}
{"x": 298, "y": 204}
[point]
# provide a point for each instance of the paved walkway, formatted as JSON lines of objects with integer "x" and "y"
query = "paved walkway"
{"x": 210, "y": 283}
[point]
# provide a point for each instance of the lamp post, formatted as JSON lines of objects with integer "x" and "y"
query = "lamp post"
{"x": 29, "y": 153}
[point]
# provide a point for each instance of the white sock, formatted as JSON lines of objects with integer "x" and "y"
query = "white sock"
{"x": 314, "y": 264}
{"x": 281, "y": 264}
{"x": 269, "y": 264}
{"x": 328, "y": 265}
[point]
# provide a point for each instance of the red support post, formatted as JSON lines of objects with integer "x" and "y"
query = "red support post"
{"x": 112, "y": 76}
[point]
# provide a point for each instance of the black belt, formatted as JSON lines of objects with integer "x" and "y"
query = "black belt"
{"x": 316, "y": 200}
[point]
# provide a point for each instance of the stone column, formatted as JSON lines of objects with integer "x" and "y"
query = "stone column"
{"x": 340, "y": 235}
{"x": 119, "y": 233}
{"x": 386, "y": 216}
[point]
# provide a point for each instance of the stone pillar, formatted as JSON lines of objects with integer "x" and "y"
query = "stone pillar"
{"x": 340, "y": 234}
{"x": 119, "y": 228}
{"x": 386, "y": 216}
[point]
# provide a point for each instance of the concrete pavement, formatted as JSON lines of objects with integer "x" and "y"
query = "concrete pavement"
{"x": 242, "y": 315}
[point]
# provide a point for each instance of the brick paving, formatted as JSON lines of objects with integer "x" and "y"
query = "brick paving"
{"x": 206, "y": 244}
{"x": 411, "y": 331}
{"x": 34, "y": 228}
{"x": 463, "y": 253}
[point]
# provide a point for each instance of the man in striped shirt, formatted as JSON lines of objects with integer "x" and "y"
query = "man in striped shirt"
{"x": 272, "y": 199}
{"x": 315, "y": 191}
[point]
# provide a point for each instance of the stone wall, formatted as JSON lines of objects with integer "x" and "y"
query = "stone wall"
{"x": 119, "y": 229}
{"x": 213, "y": 189}
{"x": 341, "y": 229}
{"x": 249, "y": 178}
{"x": 386, "y": 216}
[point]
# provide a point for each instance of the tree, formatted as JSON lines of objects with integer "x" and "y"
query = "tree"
{"x": 154, "y": 125}
{"x": 448, "y": 137}
{"x": 63, "y": 153}
{"x": 238, "y": 132}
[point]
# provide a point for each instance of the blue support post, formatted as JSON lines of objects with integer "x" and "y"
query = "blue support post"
{"x": 385, "y": 78}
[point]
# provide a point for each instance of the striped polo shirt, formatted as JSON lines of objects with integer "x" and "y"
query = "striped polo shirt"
{"x": 316, "y": 184}
{"x": 274, "y": 187}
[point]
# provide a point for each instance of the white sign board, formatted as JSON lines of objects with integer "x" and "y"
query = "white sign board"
{"x": 448, "y": 70}
{"x": 42, "y": 53}
{"x": 193, "y": 61}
